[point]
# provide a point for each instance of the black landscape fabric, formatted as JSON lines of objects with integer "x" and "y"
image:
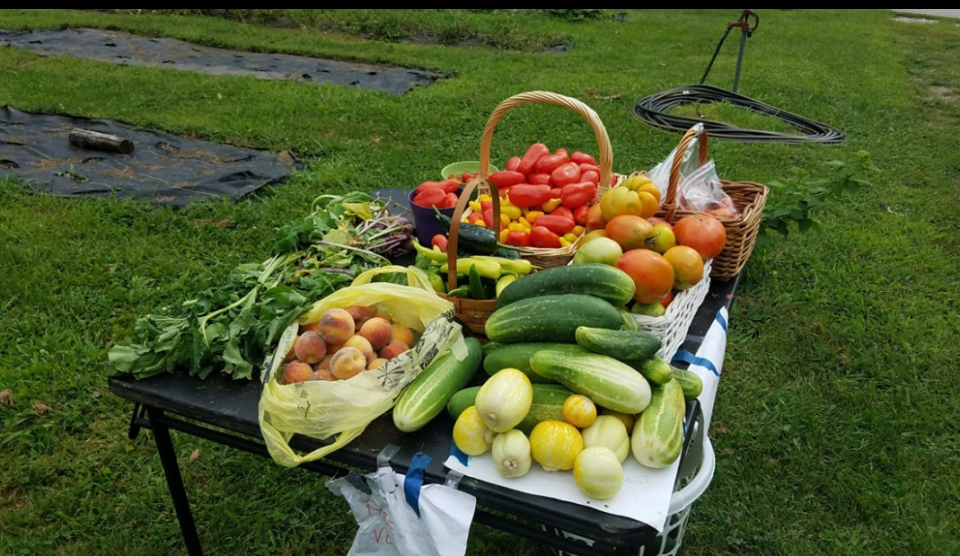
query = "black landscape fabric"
{"x": 164, "y": 168}
{"x": 123, "y": 48}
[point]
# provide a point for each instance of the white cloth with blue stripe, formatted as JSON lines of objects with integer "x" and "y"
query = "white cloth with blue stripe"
{"x": 398, "y": 516}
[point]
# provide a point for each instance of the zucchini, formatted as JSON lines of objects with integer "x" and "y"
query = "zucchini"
{"x": 547, "y": 404}
{"x": 689, "y": 381}
{"x": 656, "y": 370}
{"x": 658, "y": 435}
{"x": 625, "y": 345}
{"x": 426, "y": 396}
{"x": 606, "y": 381}
{"x": 551, "y": 318}
{"x": 598, "y": 280}
{"x": 517, "y": 356}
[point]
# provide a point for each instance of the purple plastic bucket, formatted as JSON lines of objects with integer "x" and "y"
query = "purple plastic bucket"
{"x": 425, "y": 220}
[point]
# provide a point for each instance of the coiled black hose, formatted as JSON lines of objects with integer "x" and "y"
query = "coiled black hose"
{"x": 653, "y": 110}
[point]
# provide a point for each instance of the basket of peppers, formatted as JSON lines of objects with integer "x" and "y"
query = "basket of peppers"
{"x": 544, "y": 197}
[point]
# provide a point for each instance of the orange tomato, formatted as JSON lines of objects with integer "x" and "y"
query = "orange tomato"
{"x": 650, "y": 272}
{"x": 595, "y": 219}
{"x": 656, "y": 221}
{"x": 629, "y": 230}
{"x": 702, "y": 232}
{"x": 687, "y": 266}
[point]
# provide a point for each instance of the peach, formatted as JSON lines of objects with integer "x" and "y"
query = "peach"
{"x": 377, "y": 331}
{"x": 402, "y": 333}
{"x": 393, "y": 349}
{"x": 310, "y": 348}
{"x": 311, "y": 327}
{"x": 348, "y": 363}
{"x": 325, "y": 364}
{"x": 336, "y": 326}
{"x": 361, "y": 343}
{"x": 297, "y": 371}
{"x": 361, "y": 314}
{"x": 323, "y": 374}
{"x": 376, "y": 363}
{"x": 385, "y": 316}
{"x": 332, "y": 349}
{"x": 292, "y": 352}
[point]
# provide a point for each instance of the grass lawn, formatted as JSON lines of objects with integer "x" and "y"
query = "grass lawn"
{"x": 836, "y": 426}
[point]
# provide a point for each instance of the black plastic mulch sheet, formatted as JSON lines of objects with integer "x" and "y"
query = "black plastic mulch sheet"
{"x": 126, "y": 49}
{"x": 164, "y": 168}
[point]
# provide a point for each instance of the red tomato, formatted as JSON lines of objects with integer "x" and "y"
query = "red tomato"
{"x": 529, "y": 160}
{"x": 557, "y": 224}
{"x": 613, "y": 179}
{"x": 595, "y": 219}
{"x": 484, "y": 205}
{"x": 440, "y": 241}
{"x": 582, "y": 158}
{"x": 465, "y": 177}
{"x": 539, "y": 179}
{"x": 543, "y": 237}
{"x": 450, "y": 200}
{"x": 564, "y": 212}
{"x": 563, "y": 152}
{"x": 580, "y": 214}
{"x": 590, "y": 176}
{"x": 473, "y": 217}
{"x": 584, "y": 167}
{"x": 518, "y": 239}
{"x": 430, "y": 197}
{"x": 506, "y": 178}
{"x": 488, "y": 219}
{"x": 526, "y": 195}
{"x": 512, "y": 163}
{"x": 447, "y": 186}
{"x": 666, "y": 300}
{"x": 556, "y": 193}
{"x": 576, "y": 194}
{"x": 651, "y": 273}
{"x": 550, "y": 163}
{"x": 702, "y": 232}
{"x": 565, "y": 174}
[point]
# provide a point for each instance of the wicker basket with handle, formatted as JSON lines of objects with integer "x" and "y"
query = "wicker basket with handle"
{"x": 472, "y": 312}
{"x": 742, "y": 230}
{"x": 547, "y": 258}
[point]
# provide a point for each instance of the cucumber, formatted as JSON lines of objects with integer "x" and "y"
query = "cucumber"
{"x": 625, "y": 345}
{"x": 606, "y": 381}
{"x": 517, "y": 356}
{"x": 689, "y": 381}
{"x": 658, "y": 435}
{"x": 598, "y": 280}
{"x": 551, "y": 318}
{"x": 426, "y": 396}
{"x": 547, "y": 404}
{"x": 656, "y": 370}
{"x": 629, "y": 323}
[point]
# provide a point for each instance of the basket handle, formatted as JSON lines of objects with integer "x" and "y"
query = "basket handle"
{"x": 465, "y": 195}
{"x": 670, "y": 204}
{"x": 544, "y": 97}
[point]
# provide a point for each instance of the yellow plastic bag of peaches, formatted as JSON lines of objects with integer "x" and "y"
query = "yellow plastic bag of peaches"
{"x": 325, "y": 408}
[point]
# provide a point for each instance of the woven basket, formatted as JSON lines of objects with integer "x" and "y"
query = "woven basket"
{"x": 672, "y": 327}
{"x": 472, "y": 312}
{"x": 741, "y": 231}
{"x": 547, "y": 258}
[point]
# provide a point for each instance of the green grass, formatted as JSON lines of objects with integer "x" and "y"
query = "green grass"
{"x": 835, "y": 426}
{"x": 731, "y": 114}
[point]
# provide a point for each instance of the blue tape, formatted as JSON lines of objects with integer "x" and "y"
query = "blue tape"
{"x": 722, "y": 321}
{"x": 687, "y": 357}
{"x": 464, "y": 459}
{"x": 414, "y": 480}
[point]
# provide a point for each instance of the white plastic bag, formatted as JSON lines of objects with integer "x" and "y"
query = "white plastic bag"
{"x": 389, "y": 525}
{"x": 660, "y": 174}
{"x": 702, "y": 191}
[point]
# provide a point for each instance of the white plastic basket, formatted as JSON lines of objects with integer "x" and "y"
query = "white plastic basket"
{"x": 672, "y": 327}
{"x": 695, "y": 476}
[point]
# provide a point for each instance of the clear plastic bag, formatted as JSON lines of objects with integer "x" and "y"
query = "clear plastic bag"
{"x": 702, "y": 191}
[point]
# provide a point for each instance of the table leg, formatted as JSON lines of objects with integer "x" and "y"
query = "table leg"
{"x": 168, "y": 458}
